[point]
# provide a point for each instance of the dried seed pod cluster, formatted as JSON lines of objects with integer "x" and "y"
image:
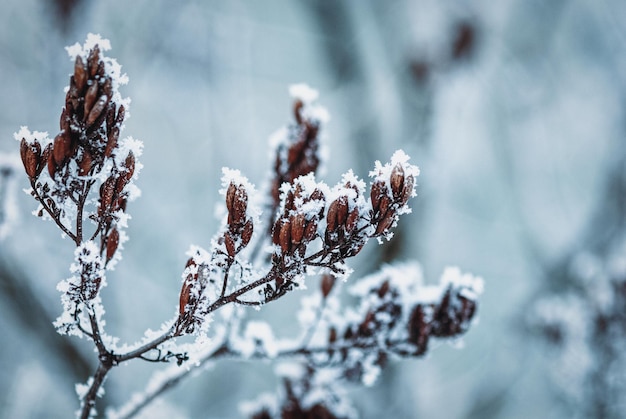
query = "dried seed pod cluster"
{"x": 302, "y": 209}
{"x": 397, "y": 317}
{"x": 87, "y": 154}
{"x": 391, "y": 189}
{"x": 240, "y": 225}
{"x": 297, "y": 151}
{"x": 191, "y": 297}
{"x": 447, "y": 318}
{"x": 344, "y": 233}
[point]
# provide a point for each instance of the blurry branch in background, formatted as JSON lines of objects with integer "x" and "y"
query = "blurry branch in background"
{"x": 84, "y": 178}
{"x": 581, "y": 314}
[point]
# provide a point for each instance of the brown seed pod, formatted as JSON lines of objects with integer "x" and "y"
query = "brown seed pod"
{"x": 31, "y": 155}
{"x": 285, "y": 236}
{"x": 112, "y": 141}
{"x": 107, "y": 190}
{"x": 62, "y": 148}
{"x": 397, "y": 181}
{"x": 90, "y": 97}
{"x": 52, "y": 166}
{"x": 80, "y": 73}
{"x": 352, "y": 220}
{"x": 129, "y": 164}
{"x": 331, "y": 217}
{"x": 93, "y": 60}
{"x": 97, "y": 109}
{"x": 230, "y": 197}
{"x": 376, "y": 193}
{"x": 328, "y": 282}
{"x": 407, "y": 189}
{"x": 342, "y": 210}
{"x": 385, "y": 202}
{"x": 310, "y": 231}
{"x": 385, "y": 224}
{"x": 185, "y": 292}
{"x": 240, "y": 205}
{"x": 230, "y": 244}
{"x": 246, "y": 233}
{"x": 419, "y": 329}
{"x": 113, "y": 241}
{"x": 383, "y": 290}
{"x": 297, "y": 228}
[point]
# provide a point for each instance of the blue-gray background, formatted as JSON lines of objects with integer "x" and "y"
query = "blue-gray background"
{"x": 516, "y": 141}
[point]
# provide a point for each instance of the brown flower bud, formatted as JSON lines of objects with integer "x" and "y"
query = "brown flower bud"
{"x": 419, "y": 329}
{"x": 385, "y": 224}
{"x": 352, "y": 220}
{"x": 90, "y": 97}
{"x": 397, "y": 181}
{"x": 342, "y": 210}
{"x": 62, "y": 148}
{"x": 407, "y": 189}
{"x": 31, "y": 155}
{"x": 377, "y": 191}
{"x": 97, "y": 109}
{"x": 310, "y": 231}
{"x": 107, "y": 190}
{"x": 384, "y": 288}
{"x": 230, "y": 244}
{"x": 246, "y": 233}
{"x": 185, "y": 292}
{"x": 129, "y": 164}
{"x": 331, "y": 216}
{"x": 93, "y": 60}
{"x": 52, "y": 166}
{"x": 113, "y": 241}
{"x": 328, "y": 282}
{"x": 285, "y": 236}
{"x": 80, "y": 73}
{"x": 121, "y": 114}
{"x": 297, "y": 228}
{"x": 230, "y": 197}
{"x": 385, "y": 202}
{"x": 113, "y": 136}
{"x": 276, "y": 232}
{"x": 240, "y": 205}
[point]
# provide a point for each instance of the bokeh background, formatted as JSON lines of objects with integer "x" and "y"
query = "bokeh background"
{"x": 514, "y": 111}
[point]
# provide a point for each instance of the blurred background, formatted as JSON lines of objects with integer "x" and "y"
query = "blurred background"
{"x": 513, "y": 110}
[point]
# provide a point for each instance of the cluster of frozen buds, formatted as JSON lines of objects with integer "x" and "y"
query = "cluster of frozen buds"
{"x": 90, "y": 170}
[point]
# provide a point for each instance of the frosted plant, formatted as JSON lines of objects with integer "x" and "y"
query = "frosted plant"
{"x": 585, "y": 328}
{"x": 84, "y": 178}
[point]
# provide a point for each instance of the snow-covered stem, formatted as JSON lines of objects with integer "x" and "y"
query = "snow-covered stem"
{"x": 310, "y": 229}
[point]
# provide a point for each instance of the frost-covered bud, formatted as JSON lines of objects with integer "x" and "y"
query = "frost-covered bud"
{"x": 31, "y": 157}
{"x": 112, "y": 242}
{"x": 393, "y": 185}
{"x": 453, "y": 315}
{"x": 236, "y": 204}
{"x": 420, "y": 327}
{"x": 327, "y": 284}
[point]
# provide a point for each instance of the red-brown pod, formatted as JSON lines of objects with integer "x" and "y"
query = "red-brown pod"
{"x": 113, "y": 241}
{"x": 285, "y": 236}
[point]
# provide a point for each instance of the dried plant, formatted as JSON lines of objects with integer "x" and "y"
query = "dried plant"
{"x": 84, "y": 178}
